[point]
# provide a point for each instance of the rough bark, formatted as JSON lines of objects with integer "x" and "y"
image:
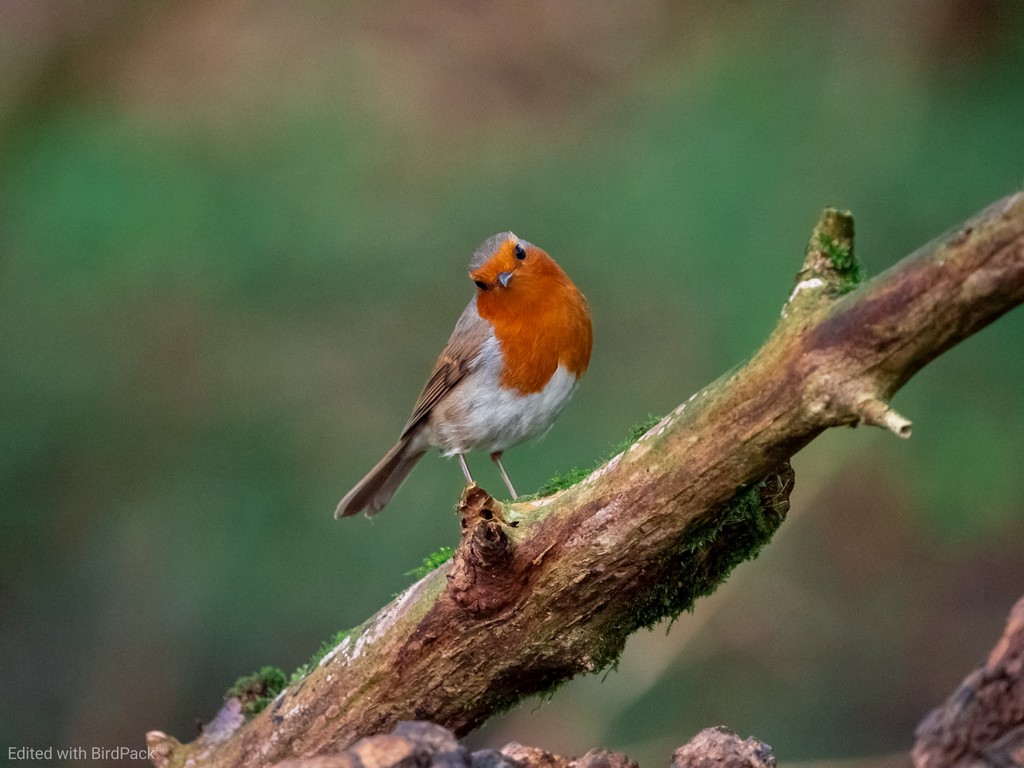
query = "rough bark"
{"x": 721, "y": 748}
{"x": 982, "y": 724}
{"x": 541, "y": 591}
{"x": 426, "y": 745}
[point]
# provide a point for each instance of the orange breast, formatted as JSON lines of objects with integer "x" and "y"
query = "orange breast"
{"x": 541, "y": 322}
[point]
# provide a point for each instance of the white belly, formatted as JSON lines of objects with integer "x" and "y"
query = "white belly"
{"x": 482, "y": 416}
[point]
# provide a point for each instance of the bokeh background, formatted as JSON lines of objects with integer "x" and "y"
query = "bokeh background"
{"x": 233, "y": 238}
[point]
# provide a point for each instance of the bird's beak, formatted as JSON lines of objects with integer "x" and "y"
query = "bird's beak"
{"x": 504, "y": 278}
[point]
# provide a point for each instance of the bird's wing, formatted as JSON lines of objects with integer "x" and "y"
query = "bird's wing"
{"x": 459, "y": 356}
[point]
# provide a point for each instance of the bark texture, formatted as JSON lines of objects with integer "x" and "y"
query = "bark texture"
{"x": 541, "y": 591}
{"x": 982, "y": 724}
{"x": 721, "y": 748}
{"x": 425, "y": 745}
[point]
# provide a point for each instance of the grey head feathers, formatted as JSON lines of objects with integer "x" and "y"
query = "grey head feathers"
{"x": 487, "y": 249}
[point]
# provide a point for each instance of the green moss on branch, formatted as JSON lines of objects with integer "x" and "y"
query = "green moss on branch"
{"x": 432, "y": 562}
{"x": 257, "y": 690}
{"x": 575, "y": 475}
{"x": 705, "y": 558}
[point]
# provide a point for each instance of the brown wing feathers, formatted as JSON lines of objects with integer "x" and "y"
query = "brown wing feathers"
{"x": 456, "y": 360}
{"x": 374, "y": 491}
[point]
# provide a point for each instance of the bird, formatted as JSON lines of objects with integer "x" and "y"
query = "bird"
{"x": 510, "y": 366}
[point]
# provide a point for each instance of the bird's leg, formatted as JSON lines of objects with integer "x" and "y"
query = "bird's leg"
{"x": 496, "y": 458}
{"x": 465, "y": 469}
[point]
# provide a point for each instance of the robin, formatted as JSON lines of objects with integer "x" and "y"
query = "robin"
{"x": 510, "y": 366}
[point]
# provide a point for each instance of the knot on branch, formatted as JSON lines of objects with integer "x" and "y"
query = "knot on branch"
{"x": 832, "y": 401}
{"x": 480, "y": 578}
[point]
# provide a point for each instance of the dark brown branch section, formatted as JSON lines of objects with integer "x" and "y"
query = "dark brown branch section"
{"x": 982, "y": 724}
{"x": 541, "y": 591}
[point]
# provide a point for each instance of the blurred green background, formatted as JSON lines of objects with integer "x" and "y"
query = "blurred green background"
{"x": 233, "y": 238}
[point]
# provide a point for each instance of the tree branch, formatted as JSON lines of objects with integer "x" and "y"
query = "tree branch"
{"x": 981, "y": 725}
{"x": 541, "y": 591}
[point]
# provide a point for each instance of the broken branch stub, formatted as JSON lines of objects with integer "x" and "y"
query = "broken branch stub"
{"x": 481, "y": 579}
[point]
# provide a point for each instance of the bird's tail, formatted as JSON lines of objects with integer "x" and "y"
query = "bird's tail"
{"x": 375, "y": 490}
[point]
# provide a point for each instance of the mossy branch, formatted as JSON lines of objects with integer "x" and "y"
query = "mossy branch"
{"x": 542, "y": 590}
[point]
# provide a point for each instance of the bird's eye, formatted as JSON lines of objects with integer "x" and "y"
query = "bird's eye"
{"x": 481, "y": 285}
{"x": 520, "y": 251}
